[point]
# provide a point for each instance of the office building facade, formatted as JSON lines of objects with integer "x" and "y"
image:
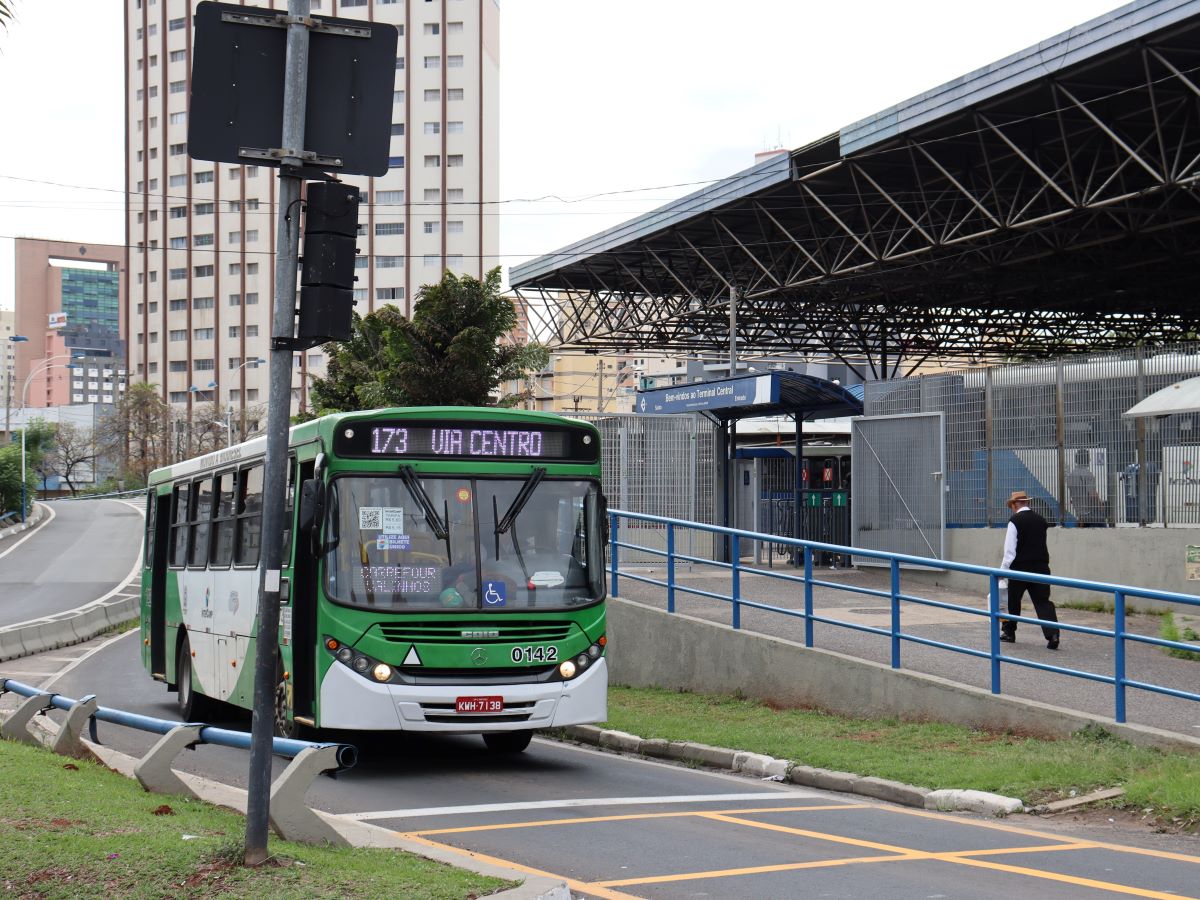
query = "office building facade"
{"x": 202, "y": 235}
{"x": 67, "y": 319}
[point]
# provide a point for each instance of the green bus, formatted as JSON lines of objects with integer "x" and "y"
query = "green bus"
{"x": 443, "y": 571}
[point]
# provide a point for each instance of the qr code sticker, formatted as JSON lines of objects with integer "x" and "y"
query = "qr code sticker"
{"x": 370, "y": 518}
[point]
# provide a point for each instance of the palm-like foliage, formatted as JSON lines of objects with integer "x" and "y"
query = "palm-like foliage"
{"x": 450, "y": 354}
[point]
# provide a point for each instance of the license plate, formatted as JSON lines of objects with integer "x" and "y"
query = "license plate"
{"x": 479, "y": 704}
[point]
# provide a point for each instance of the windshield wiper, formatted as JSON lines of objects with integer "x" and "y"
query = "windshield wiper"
{"x": 409, "y": 476}
{"x": 519, "y": 501}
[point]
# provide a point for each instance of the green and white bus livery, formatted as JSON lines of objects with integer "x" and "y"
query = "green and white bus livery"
{"x": 443, "y": 571}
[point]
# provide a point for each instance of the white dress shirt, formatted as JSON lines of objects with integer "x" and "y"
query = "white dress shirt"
{"x": 1010, "y": 546}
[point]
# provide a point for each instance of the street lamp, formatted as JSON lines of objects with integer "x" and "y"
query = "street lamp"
{"x": 254, "y": 363}
{"x": 45, "y": 366}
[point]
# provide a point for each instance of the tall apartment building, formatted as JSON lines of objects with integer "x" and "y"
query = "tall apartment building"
{"x": 202, "y": 234}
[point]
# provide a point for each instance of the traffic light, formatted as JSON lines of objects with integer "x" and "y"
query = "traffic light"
{"x": 327, "y": 277}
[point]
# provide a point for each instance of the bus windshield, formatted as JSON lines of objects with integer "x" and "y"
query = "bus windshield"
{"x": 423, "y": 542}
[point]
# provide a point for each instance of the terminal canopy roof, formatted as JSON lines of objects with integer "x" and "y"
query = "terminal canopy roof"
{"x": 751, "y": 396}
{"x": 1045, "y": 204}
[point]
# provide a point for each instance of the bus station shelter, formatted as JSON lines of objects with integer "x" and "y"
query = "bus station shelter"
{"x": 1043, "y": 205}
{"x": 726, "y": 401}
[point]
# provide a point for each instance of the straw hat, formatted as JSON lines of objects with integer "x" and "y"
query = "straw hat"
{"x": 1016, "y": 497}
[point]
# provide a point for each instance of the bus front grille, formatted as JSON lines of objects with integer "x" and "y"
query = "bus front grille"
{"x": 490, "y": 630}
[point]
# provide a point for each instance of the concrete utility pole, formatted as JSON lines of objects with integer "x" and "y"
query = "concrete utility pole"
{"x": 279, "y": 406}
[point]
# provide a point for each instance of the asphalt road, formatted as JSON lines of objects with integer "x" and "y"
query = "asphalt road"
{"x": 617, "y": 826}
{"x": 82, "y": 553}
{"x": 611, "y": 825}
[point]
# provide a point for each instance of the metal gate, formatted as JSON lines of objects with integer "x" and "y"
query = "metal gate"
{"x": 899, "y": 465}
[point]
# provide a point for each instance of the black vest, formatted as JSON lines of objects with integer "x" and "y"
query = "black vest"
{"x": 1032, "y": 555}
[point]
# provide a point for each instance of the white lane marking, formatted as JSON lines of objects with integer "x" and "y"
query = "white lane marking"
{"x": 135, "y": 572}
{"x": 571, "y": 804}
{"x": 32, "y": 531}
{"x": 61, "y": 672}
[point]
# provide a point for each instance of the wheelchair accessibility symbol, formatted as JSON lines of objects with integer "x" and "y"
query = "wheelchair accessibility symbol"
{"x": 495, "y": 593}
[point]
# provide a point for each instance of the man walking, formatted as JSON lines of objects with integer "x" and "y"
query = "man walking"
{"x": 1025, "y": 551}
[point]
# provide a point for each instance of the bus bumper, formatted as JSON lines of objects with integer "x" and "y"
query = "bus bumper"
{"x": 352, "y": 702}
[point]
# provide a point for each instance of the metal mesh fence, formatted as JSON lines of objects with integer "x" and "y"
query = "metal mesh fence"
{"x": 660, "y": 466}
{"x": 1056, "y": 430}
{"x": 898, "y": 465}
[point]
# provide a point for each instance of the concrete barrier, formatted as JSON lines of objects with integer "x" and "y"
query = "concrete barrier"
{"x": 652, "y": 648}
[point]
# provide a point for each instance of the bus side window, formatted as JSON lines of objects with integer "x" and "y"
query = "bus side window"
{"x": 222, "y": 548}
{"x": 201, "y": 514}
{"x": 179, "y": 528}
{"x": 249, "y": 523}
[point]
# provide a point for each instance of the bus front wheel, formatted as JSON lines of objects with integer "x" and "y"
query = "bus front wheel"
{"x": 285, "y": 725}
{"x": 507, "y": 741}
{"x": 192, "y": 706}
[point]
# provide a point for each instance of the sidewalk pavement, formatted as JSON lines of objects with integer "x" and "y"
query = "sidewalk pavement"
{"x": 1083, "y": 652}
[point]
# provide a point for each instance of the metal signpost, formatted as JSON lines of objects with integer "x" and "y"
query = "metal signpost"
{"x": 245, "y": 60}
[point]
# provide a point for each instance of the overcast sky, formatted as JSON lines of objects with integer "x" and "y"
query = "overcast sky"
{"x": 642, "y": 100}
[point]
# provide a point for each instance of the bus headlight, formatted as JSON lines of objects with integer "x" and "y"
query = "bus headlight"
{"x": 344, "y": 655}
{"x": 582, "y": 660}
{"x": 382, "y": 672}
{"x": 361, "y": 664}
{"x": 567, "y": 669}
{"x": 594, "y": 651}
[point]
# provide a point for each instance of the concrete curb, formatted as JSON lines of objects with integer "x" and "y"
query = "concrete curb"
{"x": 765, "y": 767}
{"x": 35, "y": 516}
{"x": 356, "y": 834}
{"x": 73, "y": 626}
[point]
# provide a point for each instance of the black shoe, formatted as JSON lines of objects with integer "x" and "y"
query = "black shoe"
{"x": 1011, "y": 639}
{"x": 1052, "y": 644}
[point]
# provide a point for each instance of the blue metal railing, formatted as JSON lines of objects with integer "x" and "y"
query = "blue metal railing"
{"x": 286, "y": 747}
{"x": 994, "y": 615}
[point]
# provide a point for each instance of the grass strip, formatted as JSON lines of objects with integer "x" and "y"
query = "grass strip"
{"x": 928, "y": 754}
{"x": 74, "y": 829}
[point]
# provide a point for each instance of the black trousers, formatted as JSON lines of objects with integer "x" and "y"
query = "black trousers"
{"x": 1043, "y": 607}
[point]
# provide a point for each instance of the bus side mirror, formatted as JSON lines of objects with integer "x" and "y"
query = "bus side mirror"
{"x": 312, "y": 511}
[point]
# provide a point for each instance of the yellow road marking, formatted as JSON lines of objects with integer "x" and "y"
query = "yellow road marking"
{"x": 1031, "y": 832}
{"x": 597, "y": 890}
{"x": 894, "y": 853}
{"x": 581, "y": 820}
{"x": 758, "y": 870}
{"x": 1066, "y": 879}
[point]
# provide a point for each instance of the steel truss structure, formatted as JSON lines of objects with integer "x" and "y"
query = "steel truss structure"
{"x": 1058, "y": 216}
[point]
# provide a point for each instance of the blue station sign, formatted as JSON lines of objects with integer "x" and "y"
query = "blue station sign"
{"x": 754, "y": 390}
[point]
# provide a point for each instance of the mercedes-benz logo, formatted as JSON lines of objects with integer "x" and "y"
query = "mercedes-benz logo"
{"x": 479, "y": 656}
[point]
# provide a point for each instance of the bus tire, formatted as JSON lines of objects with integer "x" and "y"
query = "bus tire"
{"x": 507, "y": 741}
{"x": 286, "y": 727}
{"x": 192, "y": 706}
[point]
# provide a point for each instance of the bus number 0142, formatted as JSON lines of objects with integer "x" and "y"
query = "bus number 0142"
{"x": 534, "y": 654}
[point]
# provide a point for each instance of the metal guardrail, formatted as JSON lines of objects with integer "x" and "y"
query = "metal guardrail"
{"x": 1119, "y": 680}
{"x": 113, "y": 495}
{"x": 289, "y": 815}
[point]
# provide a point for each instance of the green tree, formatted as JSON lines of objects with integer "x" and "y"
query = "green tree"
{"x": 137, "y": 432}
{"x": 452, "y": 353}
{"x": 39, "y": 437}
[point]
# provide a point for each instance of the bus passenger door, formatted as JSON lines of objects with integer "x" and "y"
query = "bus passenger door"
{"x": 304, "y": 611}
{"x": 160, "y": 545}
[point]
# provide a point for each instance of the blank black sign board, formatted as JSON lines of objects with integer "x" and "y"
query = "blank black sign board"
{"x": 237, "y": 89}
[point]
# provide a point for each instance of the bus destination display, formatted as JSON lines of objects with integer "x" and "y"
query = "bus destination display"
{"x": 400, "y": 439}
